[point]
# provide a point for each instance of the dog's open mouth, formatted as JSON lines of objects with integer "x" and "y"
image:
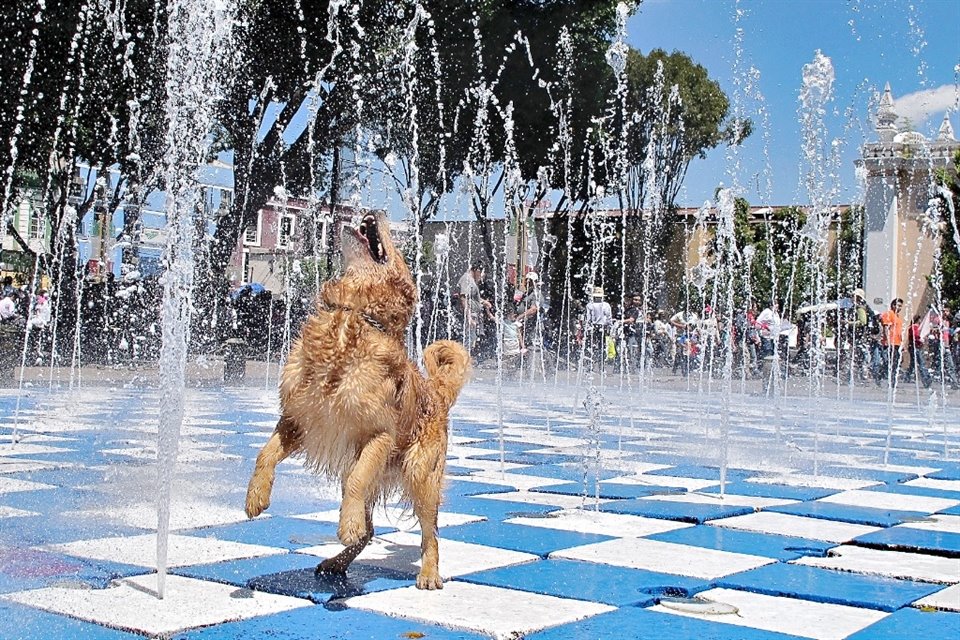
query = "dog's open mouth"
{"x": 369, "y": 234}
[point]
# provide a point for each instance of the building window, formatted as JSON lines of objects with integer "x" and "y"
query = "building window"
{"x": 246, "y": 275}
{"x": 37, "y": 223}
{"x": 285, "y": 232}
{"x": 252, "y": 234}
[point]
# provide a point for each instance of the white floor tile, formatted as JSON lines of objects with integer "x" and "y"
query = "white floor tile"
{"x": 785, "y": 615}
{"x": 689, "y": 484}
{"x": 184, "y": 456}
{"x": 611, "y": 524}
{"x": 12, "y": 485}
{"x": 891, "y": 501}
{"x": 190, "y": 514}
{"x": 518, "y": 481}
{"x": 785, "y": 524}
{"x": 501, "y": 613}
{"x": 17, "y": 465}
{"x": 947, "y": 599}
{"x": 936, "y": 522}
{"x": 893, "y": 564}
{"x": 11, "y": 512}
{"x": 28, "y": 449}
{"x": 132, "y": 604}
{"x": 401, "y": 551}
{"x": 182, "y": 550}
{"x": 934, "y": 483}
{"x": 664, "y": 557}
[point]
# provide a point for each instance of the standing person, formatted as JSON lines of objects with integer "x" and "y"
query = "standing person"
{"x": 858, "y": 326}
{"x": 599, "y": 318}
{"x": 471, "y": 305}
{"x": 891, "y": 339}
{"x": 8, "y": 309}
{"x": 633, "y": 328}
{"x": 915, "y": 345}
{"x": 768, "y": 324}
{"x": 936, "y": 330}
{"x": 530, "y": 311}
{"x": 684, "y": 324}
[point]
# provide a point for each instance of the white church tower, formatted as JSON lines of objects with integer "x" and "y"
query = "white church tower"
{"x": 898, "y": 253}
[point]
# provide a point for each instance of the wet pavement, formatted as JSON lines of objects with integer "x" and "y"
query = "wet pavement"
{"x": 834, "y": 520}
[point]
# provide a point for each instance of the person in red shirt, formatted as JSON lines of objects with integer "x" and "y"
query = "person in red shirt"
{"x": 891, "y": 340}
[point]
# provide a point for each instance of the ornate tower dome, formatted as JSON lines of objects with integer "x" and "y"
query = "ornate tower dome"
{"x": 886, "y": 116}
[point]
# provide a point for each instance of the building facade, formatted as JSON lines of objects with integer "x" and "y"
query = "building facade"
{"x": 900, "y": 243}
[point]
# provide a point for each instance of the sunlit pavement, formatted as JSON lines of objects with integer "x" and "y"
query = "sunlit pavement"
{"x": 569, "y": 514}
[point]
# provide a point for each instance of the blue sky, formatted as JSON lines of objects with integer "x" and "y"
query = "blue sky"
{"x": 912, "y": 44}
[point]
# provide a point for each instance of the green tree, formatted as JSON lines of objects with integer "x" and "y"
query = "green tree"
{"x": 949, "y": 182}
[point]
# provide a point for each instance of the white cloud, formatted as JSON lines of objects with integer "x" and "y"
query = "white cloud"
{"x": 920, "y": 107}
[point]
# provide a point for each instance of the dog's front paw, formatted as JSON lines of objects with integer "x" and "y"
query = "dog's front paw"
{"x": 429, "y": 580}
{"x": 353, "y": 526}
{"x": 257, "y": 502}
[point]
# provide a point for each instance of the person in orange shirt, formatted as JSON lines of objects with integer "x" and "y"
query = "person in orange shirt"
{"x": 891, "y": 340}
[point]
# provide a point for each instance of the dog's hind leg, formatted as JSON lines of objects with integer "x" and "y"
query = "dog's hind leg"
{"x": 285, "y": 440}
{"x": 339, "y": 563}
{"x": 425, "y": 489}
{"x": 361, "y": 486}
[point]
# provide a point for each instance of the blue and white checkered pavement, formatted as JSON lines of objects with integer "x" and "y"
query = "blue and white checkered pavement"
{"x": 834, "y": 520}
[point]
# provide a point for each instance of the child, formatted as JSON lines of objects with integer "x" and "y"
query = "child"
{"x": 511, "y": 333}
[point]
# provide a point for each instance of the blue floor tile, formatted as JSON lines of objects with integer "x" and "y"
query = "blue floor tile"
{"x": 758, "y": 544}
{"x": 33, "y": 624}
{"x": 494, "y": 445}
{"x": 780, "y": 491}
{"x": 495, "y": 510}
{"x": 323, "y": 588}
{"x": 701, "y": 472}
{"x": 848, "y": 513}
{"x": 241, "y": 572}
{"x": 912, "y": 623}
{"x": 517, "y": 537}
{"x": 824, "y": 585}
{"x": 907, "y": 539}
{"x": 910, "y": 490}
{"x": 55, "y": 501}
{"x": 634, "y": 623}
{"x": 669, "y": 510}
{"x": 878, "y": 475}
{"x": 276, "y": 531}
{"x": 948, "y": 471}
{"x": 608, "y": 490}
{"x": 611, "y": 585}
{"x": 525, "y": 457}
{"x": 56, "y": 529}
{"x": 472, "y": 488}
{"x": 22, "y": 569}
{"x": 570, "y": 472}
{"x": 314, "y": 623}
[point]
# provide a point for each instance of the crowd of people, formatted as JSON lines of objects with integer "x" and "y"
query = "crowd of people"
{"x": 119, "y": 322}
{"x": 846, "y": 338}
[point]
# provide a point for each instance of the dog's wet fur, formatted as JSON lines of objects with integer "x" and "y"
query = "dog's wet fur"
{"x": 356, "y": 407}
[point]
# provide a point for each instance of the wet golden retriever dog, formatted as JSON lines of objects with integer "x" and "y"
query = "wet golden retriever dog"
{"x": 355, "y": 406}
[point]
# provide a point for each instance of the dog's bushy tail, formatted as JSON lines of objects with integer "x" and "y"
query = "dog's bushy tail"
{"x": 448, "y": 366}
